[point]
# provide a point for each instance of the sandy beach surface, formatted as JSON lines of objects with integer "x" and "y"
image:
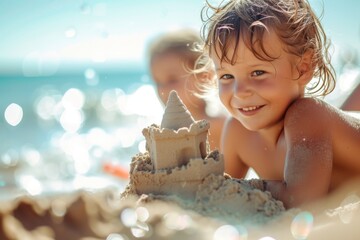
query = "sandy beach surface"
{"x": 103, "y": 214}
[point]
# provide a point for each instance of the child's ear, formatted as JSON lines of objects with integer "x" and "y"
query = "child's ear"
{"x": 306, "y": 67}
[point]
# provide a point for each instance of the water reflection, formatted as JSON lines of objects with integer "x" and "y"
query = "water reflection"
{"x": 13, "y": 114}
{"x": 60, "y": 134}
{"x": 70, "y": 32}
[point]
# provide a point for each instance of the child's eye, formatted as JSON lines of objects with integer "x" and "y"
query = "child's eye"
{"x": 225, "y": 78}
{"x": 257, "y": 73}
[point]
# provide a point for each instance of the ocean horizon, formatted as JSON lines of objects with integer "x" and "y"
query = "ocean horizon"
{"x": 71, "y": 124}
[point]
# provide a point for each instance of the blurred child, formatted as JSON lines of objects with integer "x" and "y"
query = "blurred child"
{"x": 265, "y": 53}
{"x": 172, "y": 58}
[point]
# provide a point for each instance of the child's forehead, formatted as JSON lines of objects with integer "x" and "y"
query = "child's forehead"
{"x": 269, "y": 45}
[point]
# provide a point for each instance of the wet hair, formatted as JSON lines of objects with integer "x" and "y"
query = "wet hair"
{"x": 182, "y": 42}
{"x": 294, "y": 22}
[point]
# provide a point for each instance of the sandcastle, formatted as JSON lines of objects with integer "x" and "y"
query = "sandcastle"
{"x": 179, "y": 167}
{"x": 178, "y": 156}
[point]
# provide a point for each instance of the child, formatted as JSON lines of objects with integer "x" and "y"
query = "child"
{"x": 172, "y": 56}
{"x": 265, "y": 53}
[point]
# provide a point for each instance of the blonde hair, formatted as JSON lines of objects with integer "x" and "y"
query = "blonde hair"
{"x": 182, "y": 42}
{"x": 295, "y": 23}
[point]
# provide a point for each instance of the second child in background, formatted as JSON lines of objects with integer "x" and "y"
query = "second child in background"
{"x": 172, "y": 58}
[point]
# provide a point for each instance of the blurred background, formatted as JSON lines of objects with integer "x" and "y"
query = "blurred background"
{"x": 75, "y": 89}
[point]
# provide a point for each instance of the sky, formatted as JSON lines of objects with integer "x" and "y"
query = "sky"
{"x": 59, "y": 34}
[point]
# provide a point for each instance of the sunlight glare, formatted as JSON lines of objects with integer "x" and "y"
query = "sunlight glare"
{"x": 13, "y": 114}
{"x": 73, "y": 99}
{"x": 30, "y": 184}
{"x": 70, "y": 32}
{"x": 71, "y": 120}
{"x": 144, "y": 102}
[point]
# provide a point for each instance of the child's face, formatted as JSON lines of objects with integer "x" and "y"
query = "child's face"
{"x": 169, "y": 73}
{"x": 258, "y": 92}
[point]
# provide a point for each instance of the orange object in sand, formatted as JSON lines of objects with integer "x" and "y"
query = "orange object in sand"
{"x": 116, "y": 170}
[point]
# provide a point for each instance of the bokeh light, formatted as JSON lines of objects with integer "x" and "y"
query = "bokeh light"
{"x": 32, "y": 185}
{"x": 91, "y": 77}
{"x": 142, "y": 214}
{"x": 142, "y": 146}
{"x": 177, "y": 221}
{"x": 13, "y": 114}
{"x": 10, "y": 158}
{"x": 111, "y": 98}
{"x": 70, "y": 32}
{"x": 141, "y": 230}
{"x": 128, "y": 217}
{"x": 226, "y": 232}
{"x": 73, "y": 99}
{"x": 31, "y": 156}
{"x": 144, "y": 102}
{"x": 348, "y": 208}
{"x": 301, "y": 225}
{"x": 99, "y": 137}
{"x": 126, "y": 137}
{"x": 45, "y": 107}
{"x": 116, "y": 236}
{"x": 71, "y": 120}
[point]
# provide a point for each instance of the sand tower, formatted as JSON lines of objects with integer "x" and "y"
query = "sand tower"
{"x": 179, "y": 139}
{"x": 178, "y": 156}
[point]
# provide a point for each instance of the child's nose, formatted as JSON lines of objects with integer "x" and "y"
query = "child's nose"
{"x": 242, "y": 90}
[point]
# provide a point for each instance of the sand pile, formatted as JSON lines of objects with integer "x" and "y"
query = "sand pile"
{"x": 98, "y": 215}
{"x": 90, "y": 215}
{"x": 178, "y": 166}
{"x": 218, "y": 196}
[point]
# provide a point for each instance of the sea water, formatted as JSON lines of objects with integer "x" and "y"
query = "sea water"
{"x": 64, "y": 126}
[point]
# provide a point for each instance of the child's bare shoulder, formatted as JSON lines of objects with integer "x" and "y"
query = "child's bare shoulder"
{"x": 309, "y": 104}
{"x": 304, "y": 107}
{"x": 309, "y": 114}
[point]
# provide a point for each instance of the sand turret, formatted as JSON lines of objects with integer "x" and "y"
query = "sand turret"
{"x": 176, "y": 115}
{"x": 179, "y": 138}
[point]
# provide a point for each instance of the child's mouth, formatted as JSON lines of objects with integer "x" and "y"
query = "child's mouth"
{"x": 250, "y": 110}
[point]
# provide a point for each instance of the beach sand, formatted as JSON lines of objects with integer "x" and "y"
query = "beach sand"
{"x": 103, "y": 214}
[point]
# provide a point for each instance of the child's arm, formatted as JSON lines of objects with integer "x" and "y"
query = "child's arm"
{"x": 308, "y": 163}
{"x": 229, "y": 147}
